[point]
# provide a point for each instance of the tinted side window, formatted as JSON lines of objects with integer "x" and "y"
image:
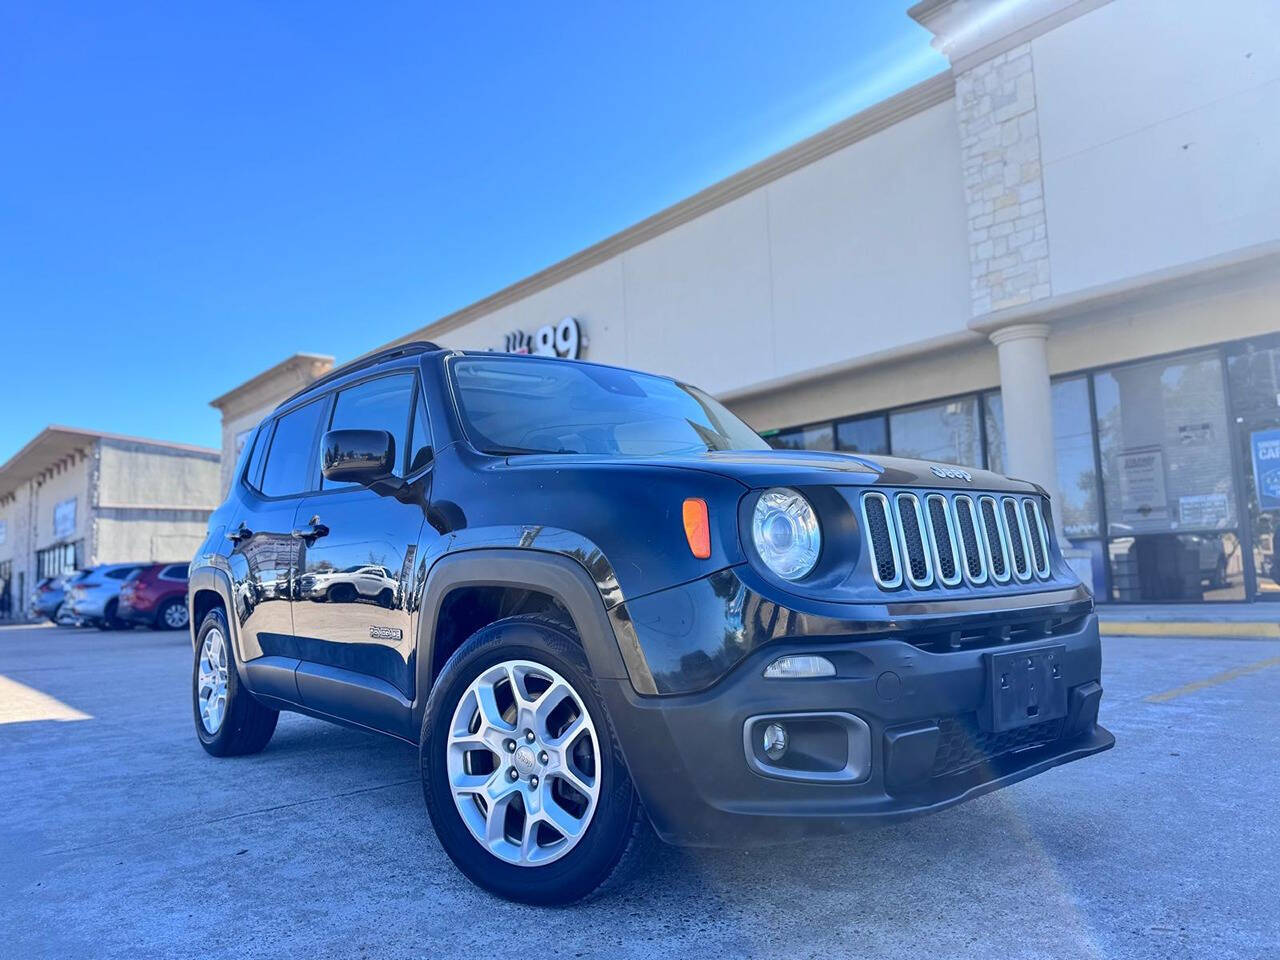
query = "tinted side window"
{"x": 381, "y": 404}
{"x": 122, "y": 574}
{"x": 288, "y": 465}
{"x": 175, "y": 571}
{"x": 261, "y": 438}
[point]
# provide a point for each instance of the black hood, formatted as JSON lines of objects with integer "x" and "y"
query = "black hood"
{"x": 768, "y": 468}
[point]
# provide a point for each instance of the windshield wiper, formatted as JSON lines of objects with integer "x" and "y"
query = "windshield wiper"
{"x": 499, "y": 451}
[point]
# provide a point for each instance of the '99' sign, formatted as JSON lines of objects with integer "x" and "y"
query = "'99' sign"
{"x": 562, "y": 340}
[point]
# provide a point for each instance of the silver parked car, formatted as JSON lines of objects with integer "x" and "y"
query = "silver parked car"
{"x": 94, "y": 599}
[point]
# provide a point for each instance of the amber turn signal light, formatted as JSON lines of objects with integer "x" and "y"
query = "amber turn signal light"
{"x": 697, "y": 527}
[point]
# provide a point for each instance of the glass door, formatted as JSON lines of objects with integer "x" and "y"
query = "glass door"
{"x": 1253, "y": 370}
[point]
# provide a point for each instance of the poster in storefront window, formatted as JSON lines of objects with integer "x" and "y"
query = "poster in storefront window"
{"x": 1204, "y": 511}
{"x": 1265, "y": 445}
{"x": 1142, "y": 493}
{"x": 64, "y": 518}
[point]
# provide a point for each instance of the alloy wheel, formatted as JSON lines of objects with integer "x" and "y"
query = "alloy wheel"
{"x": 211, "y": 692}
{"x": 175, "y": 616}
{"x": 523, "y": 759}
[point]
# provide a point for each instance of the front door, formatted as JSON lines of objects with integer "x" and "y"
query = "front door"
{"x": 1254, "y": 371}
{"x": 351, "y": 611}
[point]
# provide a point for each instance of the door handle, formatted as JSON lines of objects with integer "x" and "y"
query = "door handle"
{"x": 317, "y": 530}
{"x": 240, "y": 533}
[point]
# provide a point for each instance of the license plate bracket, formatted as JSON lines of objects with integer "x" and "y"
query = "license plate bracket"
{"x": 1024, "y": 687}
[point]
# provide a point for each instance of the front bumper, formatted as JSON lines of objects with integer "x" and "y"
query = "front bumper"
{"x": 687, "y": 757}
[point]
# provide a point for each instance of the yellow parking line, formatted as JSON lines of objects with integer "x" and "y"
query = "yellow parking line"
{"x": 23, "y": 704}
{"x": 1213, "y": 681}
{"x": 1188, "y": 628}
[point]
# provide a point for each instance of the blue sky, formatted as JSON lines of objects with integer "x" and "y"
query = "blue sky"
{"x": 189, "y": 193}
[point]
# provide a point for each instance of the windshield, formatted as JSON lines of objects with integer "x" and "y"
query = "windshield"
{"x": 527, "y": 405}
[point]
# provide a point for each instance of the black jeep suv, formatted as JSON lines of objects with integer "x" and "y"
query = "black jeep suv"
{"x": 594, "y": 598}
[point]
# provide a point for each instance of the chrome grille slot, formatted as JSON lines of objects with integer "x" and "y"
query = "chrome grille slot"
{"x": 1034, "y": 517}
{"x": 1016, "y": 531}
{"x": 915, "y": 553}
{"x": 972, "y": 557}
{"x": 942, "y": 532}
{"x": 877, "y": 520}
{"x": 993, "y": 540}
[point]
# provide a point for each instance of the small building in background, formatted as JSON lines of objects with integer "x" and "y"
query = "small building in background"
{"x": 72, "y": 499}
{"x": 245, "y": 405}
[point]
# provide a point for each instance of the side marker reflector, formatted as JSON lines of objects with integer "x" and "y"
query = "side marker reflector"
{"x": 697, "y": 527}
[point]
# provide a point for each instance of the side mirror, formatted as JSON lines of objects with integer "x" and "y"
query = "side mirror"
{"x": 357, "y": 456}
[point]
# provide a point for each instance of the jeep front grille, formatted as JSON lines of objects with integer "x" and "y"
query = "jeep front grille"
{"x": 942, "y": 540}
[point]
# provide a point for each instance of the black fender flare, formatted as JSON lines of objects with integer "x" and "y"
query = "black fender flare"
{"x": 207, "y": 578}
{"x": 610, "y": 643}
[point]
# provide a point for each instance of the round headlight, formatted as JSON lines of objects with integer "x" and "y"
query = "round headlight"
{"x": 785, "y": 531}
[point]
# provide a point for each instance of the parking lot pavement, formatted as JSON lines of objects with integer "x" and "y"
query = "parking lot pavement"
{"x": 120, "y": 837}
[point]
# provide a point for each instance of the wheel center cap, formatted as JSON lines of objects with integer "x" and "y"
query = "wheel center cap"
{"x": 525, "y": 760}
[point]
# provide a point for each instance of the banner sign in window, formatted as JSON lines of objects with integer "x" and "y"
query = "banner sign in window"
{"x": 64, "y": 518}
{"x": 1265, "y": 445}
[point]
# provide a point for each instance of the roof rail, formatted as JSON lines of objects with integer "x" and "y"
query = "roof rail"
{"x": 411, "y": 348}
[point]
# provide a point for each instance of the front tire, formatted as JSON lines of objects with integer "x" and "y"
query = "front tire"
{"x": 521, "y": 772}
{"x": 229, "y": 719}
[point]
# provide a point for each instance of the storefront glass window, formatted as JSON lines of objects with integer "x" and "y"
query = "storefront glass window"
{"x": 820, "y": 437}
{"x": 863, "y": 435}
{"x": 1077, "y": 502}
{"x": 1073, "y": 443}
{"x": 1254, "y": 371}
{"x": 946, "y": 432}
{"x": 1166, "y": 468}
{"x": 993, "y": 415}
{"x": 1176, "y": 566}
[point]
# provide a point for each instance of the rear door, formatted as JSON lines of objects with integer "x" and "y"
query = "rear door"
{"x": 351, "y": 611}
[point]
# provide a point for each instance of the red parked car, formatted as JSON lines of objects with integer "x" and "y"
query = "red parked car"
{"x": 156, "y": 596}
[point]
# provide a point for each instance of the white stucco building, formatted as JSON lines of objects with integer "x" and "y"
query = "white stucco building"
{"x": 1059, "y": 258}
{"x": 72, "y": 499}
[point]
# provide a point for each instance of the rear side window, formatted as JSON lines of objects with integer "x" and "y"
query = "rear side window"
{"x": 381, "y": 404}
{"x": 288, "y": 467}
{"x": 175, "y": 571}
{"x": 123, "y": 573}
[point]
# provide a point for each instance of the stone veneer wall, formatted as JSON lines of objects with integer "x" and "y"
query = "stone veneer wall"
{"x": 1000, "y": 155}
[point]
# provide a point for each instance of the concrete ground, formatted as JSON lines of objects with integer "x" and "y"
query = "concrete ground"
{"x": 119, "y": 836}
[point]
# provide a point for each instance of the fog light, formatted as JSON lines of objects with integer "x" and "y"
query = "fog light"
{"x": 797, "y": 667}
{"x": 774, "y": 741}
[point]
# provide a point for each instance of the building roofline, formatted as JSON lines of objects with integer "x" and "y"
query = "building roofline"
{"x": 880, "y": 116}
{"x": 56, "y": 441}
{"x": 291, "y": 362}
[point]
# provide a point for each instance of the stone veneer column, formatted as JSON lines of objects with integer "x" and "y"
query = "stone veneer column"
{"x": 1000, "y": 158}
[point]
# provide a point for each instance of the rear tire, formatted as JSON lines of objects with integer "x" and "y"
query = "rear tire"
{"x": 109, "y": 619}
{"x": 229, "y": 719}
{"x": 578, "y": 841}
{"x": 172, "y": 615}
